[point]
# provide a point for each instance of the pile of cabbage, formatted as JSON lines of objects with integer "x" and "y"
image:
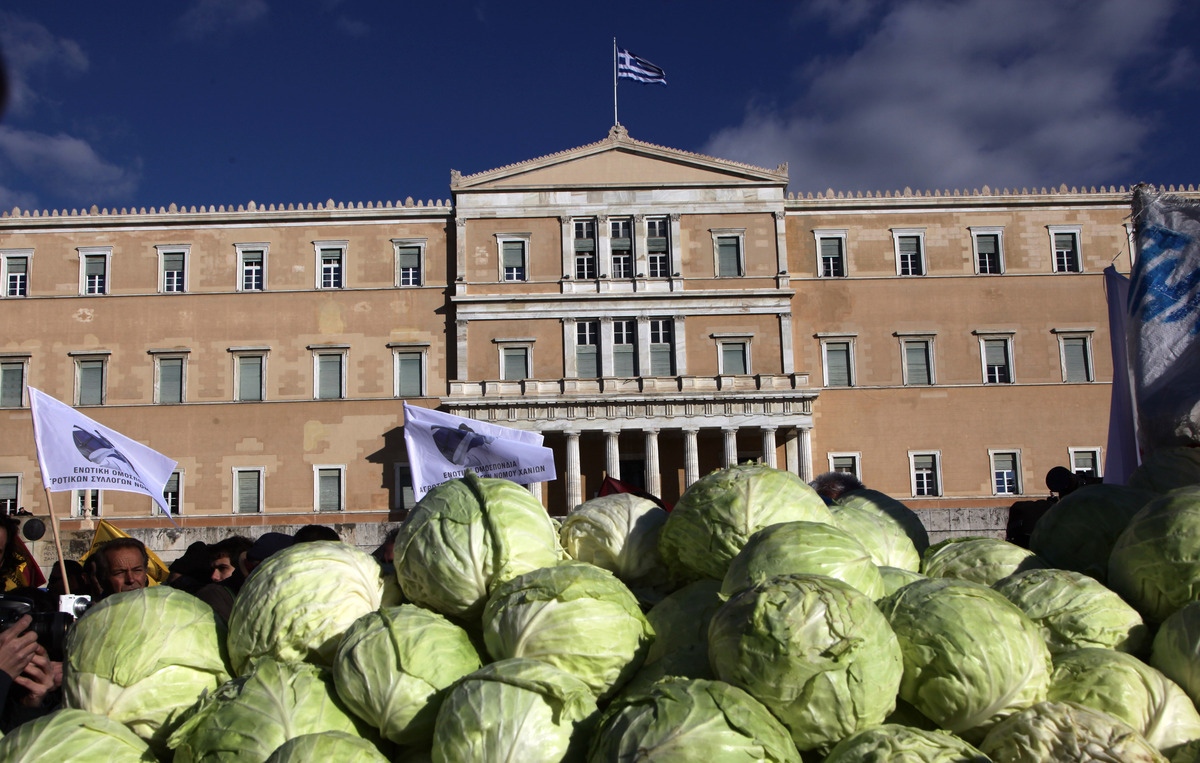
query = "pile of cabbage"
{"x": 753, "y": 622}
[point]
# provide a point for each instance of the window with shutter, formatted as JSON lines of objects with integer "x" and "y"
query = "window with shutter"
{"x": 170, "y": 380}
{"x": 917, "y": 368}
{"x": 733, "y": 358}
{"x": 987, "y": 253}
{"x": 91, "y": 382}
{"x": 95, "y": 274}
{"x": 249, "y": 491}
{"x": 833, "y": 261}
{"x": 997, "y": 362}
{"x": 16, "y": 276}
{"x": 171, "y": 494}
{"x": 662, "y": 347}
{"x": 250, "y": 378}
{"x": 12, "y": 384}
{"x": 329, "y": 489}
{"x": 1077, "y": 364}
{"x": 1004, "y": 473}
{"x": 837, "y": 364}
{"x": 585, "y": 249}
{"x": 625, "y": 348}
{"x": 911, "y": 263}
{"x": 515, "y": 362}
{"x": 925, "y": 474}
{"x": 409, "y": 373}
{"x": 657, "y": 251}
{"x": 729, "y": 256}
{"x": 253, "y": 269}
{"x": 513, "y": 253}
{"x": 587, "y": 349}
{"x": 1066, "y": 253}
{"x": 329, "y": 375}
{"x": 172, "y": 265}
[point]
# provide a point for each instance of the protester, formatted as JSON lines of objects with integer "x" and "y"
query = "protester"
{"x": 122, "y": 565}
{"x": 10, "y": 563}
{"x": 310, "y": 533}
{"x": 385, "y": 554}
{"x": 266, "y": 545}
{"x": 833, "y": 485}
{"x": 225, "y": 559}
{"x": 75, "y": 576}
{"x": 24, "y": 662}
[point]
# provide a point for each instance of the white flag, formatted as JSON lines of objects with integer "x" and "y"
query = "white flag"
{"x": 1164, "y": 320}
{"x": 442, "y": 446}
{"x": 77, "y": 453}
{"x": 1121, "y": 453}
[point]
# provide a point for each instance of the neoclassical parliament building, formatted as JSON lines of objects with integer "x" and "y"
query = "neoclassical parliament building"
{"x": 654, "y": 313}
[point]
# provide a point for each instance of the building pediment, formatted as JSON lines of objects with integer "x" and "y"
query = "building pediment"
{"x": 619, "y": 162}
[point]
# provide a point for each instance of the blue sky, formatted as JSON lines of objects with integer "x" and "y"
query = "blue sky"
{"x": 228, "y": 101}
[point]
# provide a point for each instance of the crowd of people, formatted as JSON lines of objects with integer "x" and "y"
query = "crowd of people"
{"x": 31, "y": 675}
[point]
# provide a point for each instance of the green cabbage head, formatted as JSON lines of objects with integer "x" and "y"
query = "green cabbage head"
{"x": 816, "y": 651}
{"x": 467, "y": 536}
{"x": 1125, "y": 687}
{"x": 618, "y": 532}
{"x": 971, "y": 657}
{"x": 1075, "y": 610}
{"x": 720, "y": 511}
{"x": 249, "y": 717}
{"x": 904, "y": 744}
{"x": 337, "y": 746}
{"x": 143, "y": 658}
{"x": 1165, "y": 469}
{"x": 690, "y": 719}
{"x": 394, "y": 666}
{"x": 1067, "y": 731}
{"x": 977, "y": 560}
{"x": 1155, "y": 563}
{"x": 680, "y": 622}
{"x": 515, "y": 710}
{"x": 1176, "y": 649}
{"x": 1079, "y": 530}
{"x": 296, "y": 605}
{"x": 895, "y": 578}
{"x": 71, "y": 734}
{"x": 883, "y": 538}
{"x": 576, "y": 617}
{"x": 811, "y": 548}
{"x": 891, "y": 510}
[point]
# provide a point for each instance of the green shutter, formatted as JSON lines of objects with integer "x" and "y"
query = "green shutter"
{"x": 733, "y": 358}
{"x": 250, "y": 377}
{"x": 996, "y": 351}
{"x": 1064, "y": 242}
{"x": 625, "y": 360}
{"x": 831, "y": 247}
{"x": 916, "y": 355}
{"x": 170, "y": 380}
{"x": 1075, "y": 352}
{"x": 329, "y": 489}
{"x": 1004, "y": 462}
{"x": 728, "y": 264}
{"x": 12, "y": 384}
{"x": 923, "y": 462}
{"x": 330, "y": 376}
{"x": 8, "y": 490}
{"x": 408, "y": 369}
{"x": 94, "y": 266}
{"x": 987, "y": 244}
{"x": 515, "y": 364}
{"x": 409, "y": 257}
{"x": 247, "y": 491}
{"x": 662, "y": 360}
{"x": 172, "y": 262}
{"x": 91, "y": 382}
{"x": 837, "y": 363}
{"x": 514, "y": 254}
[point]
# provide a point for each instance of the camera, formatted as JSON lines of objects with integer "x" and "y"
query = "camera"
{"x": 50, "y": 627}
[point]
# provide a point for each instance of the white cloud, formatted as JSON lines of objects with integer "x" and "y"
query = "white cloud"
{"x": 959, "y": 95}
{"x": 31, "y": 50}
{"x": 65, "y": 166}
{"x": 217, "y": 18}
{"x": 352, "y": 27}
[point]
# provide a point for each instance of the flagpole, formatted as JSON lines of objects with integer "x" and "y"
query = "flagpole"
{"x": 62, "y": 565}
{"x": 615, "y": 120}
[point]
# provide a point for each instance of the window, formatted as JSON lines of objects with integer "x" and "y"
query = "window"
{"x": 171, "y": 494}
{"x": 1066, "y": 249}
{"x": 1085, "y": 462}
{"x": 587, "y": 349}
{"x": 846, "y": 463}
{"x": 16, "y": 272}
{"x": 1006, "y": 472}
{"x": 331, "y": 264}
{"x": 839, "y": 362}
{"x": 329, "y": 494}
{"x": 621, "y": 230}
{"x": 997, "y": 360}
{"x": 12, "y": 383}
{"x": 918, "y": 361}
{"x": 1076, "y": 355}
{"x": 514, "y": 363}
{"x": 910, "y": 251}
{"x": 625, "y": 348}
{"x": 89, "y": 381}
{"x": 662, "y": 347}
{"x": 248, "y": 376}
{"x": 410, "y": 254}
{"x": 329, "y": 372}
{"x": 86, "y": 503}
{"x": 734, "y": 358}
{"x": 989, "y": 259}
{"x": 172, "y": 271}
{"x": 10, "y": 494}
{"x": 585, "y": 248}
{"x": 169, "y": 383}
{"x": 513, "y": 259}
{"x": 93, "y": 269}
{"x": 831, "y": 249}
{"x": 247, "y": 491}
{"x": 727, "y": 247}
{"x": 252, "y": 267}
{"x": 404, "y": 498}
{"x": 658, "y": 244}
{"x": 410, "y": 371}
{"x": 926, "y": 474}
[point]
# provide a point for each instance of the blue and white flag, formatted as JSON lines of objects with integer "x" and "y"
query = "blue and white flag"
{"x": 77, "y": 453}
{"x": 442, "y": 446}
{"x": 1121, "y": 452}
{"x": 1164, "y": 320}
{"x": 637, "y": 68}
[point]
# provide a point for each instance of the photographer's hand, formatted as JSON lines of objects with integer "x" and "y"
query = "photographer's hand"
{"x": 17, "y": 646}
{"x": 41, "y": 676}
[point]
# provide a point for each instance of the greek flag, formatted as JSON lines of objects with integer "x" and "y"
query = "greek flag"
{"x": 442, "y": 447}
{"x": 637, "y": 68}
{"x": 77, "y": 453}
{"x": 1164, "y": 319}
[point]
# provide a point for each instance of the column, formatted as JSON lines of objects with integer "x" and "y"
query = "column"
{"x": 570, "y": 360}
{"x": 768, "y": 446}
{"x": 606, "y": 346}
{"x": 804, "y": 454}
{"x": 791, "y": 451}
{"x": 568, "y": 246}
{"x": 574, "y": 486}
{"x": 603, "y": 247}
{"x": 730, "y": 445}
{"x": 785, "y": 342}
{"x": 640, "y": 267}
{"x": 680, "y": 338}
{"x": 691, "y": 457}
{"x": 536, "y": 489}
{"x": 460, "y": 256}
{"x": 612, "y": 454}
{"x": 653, "y": 477}
{"x": 781, "y": 252}
{"x": 460, "y": 359}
